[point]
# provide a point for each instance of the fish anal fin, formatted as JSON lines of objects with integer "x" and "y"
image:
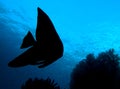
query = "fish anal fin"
{"x": 28, "y": 40}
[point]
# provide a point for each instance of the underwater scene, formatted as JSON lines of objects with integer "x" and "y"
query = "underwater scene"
{"x": 59, "y": 44}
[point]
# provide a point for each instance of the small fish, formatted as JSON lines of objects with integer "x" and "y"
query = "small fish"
{"x": 43, "y": 51}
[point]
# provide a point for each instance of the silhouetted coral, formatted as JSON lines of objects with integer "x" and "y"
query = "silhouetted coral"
{"x": 40, "y": 84}
{"x": 101, "y": 72}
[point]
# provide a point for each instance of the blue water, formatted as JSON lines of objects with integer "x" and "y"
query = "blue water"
{"x": 84, "y": 26}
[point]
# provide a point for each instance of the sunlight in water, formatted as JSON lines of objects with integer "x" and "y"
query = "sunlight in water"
{"x": 89, "y": 26}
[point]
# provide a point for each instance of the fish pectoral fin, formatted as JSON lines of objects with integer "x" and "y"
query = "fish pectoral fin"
{"x": 38, "y": 62}
{"x": 45, "y": 63}
{"x": 28, "y": 40}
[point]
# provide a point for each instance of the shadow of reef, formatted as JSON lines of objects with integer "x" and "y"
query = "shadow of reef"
{"x": 101, "y": 72}
{"x": 40, "y": 84}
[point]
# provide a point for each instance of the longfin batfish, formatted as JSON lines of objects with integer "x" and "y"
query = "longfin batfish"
{"x": 43, "y": 51}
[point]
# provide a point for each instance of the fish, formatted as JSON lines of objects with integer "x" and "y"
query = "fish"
{"x": 42, "y": 51}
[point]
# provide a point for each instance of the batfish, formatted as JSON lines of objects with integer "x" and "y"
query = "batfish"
{"x": 45, "y": 49}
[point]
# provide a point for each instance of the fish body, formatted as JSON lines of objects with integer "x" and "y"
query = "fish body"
{"x": 43, "y": 51}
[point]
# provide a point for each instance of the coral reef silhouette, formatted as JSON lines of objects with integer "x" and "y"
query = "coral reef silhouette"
{"x": 40, "y": 84}
{"x": 101, "y": 72}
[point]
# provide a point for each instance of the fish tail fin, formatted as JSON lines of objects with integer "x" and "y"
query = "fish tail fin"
{"x": 28, "y": 40}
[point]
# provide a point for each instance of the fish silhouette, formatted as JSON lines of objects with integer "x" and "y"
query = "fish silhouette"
{"x": 43, "y": 51}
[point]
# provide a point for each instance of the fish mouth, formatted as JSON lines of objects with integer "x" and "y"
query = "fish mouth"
{"x": 15, "y": 63}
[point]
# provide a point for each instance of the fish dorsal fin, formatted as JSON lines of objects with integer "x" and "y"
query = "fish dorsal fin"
{"x": 45, "y": 29}
{"x": 28, "y": 40}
